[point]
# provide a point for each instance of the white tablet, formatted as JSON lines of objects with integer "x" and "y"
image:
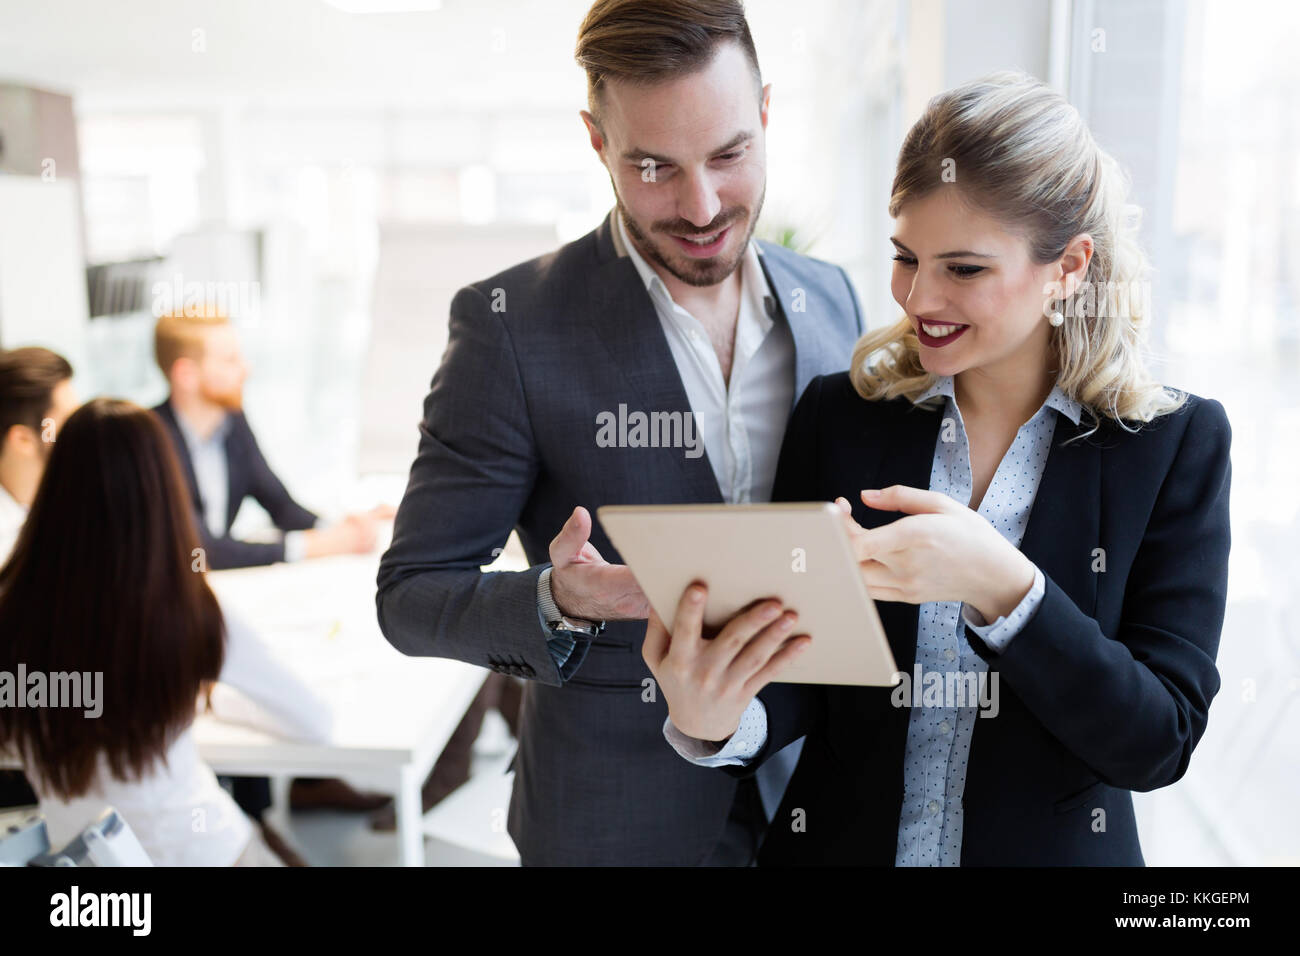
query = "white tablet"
{"x": 798, "y": 553}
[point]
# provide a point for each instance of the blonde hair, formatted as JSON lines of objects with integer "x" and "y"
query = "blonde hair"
{"x": 1024, "y": 155}
{"x": 180, "y": 334}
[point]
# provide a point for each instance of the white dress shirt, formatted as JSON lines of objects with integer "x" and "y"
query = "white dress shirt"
{"x": 741, "y": 421}
{"x": 211, "y": 471}
{"x": 178, "y": 811}
{"x": 12, "y": 516}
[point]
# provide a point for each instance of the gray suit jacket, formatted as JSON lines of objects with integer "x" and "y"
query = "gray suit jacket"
{"x": 508, "y": 441}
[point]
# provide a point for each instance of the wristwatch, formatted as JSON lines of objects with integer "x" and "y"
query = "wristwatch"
{"x": 558, "y": 621}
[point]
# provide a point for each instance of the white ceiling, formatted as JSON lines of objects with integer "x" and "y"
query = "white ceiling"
{"x": 141, "y": 53}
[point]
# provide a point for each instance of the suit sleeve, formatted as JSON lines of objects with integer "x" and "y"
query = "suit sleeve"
{"x": 474, "y": 471}
{"x": 226, "y": 552}
{"x": 268, "y": 490}
{"x": 793, "y": 710}
{"x": 1133, "y": 708}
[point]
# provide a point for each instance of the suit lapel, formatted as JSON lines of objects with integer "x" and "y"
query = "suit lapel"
{"x": 1065, "y": 523}
{"x": 168, "y": 417}
{"x": 626, "y": 322}
{"x": 234, "y": 498}
{"x": 813, "y": 353}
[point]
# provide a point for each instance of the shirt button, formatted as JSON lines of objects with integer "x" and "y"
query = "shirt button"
{"x": 949, "y": 654}
{"x": 945, "y": 727}
{"x": 741, "y": 744}
{"x": 933, "y": 806}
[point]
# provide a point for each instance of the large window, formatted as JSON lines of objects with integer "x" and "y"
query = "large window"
{"x": 1197, "y": 100}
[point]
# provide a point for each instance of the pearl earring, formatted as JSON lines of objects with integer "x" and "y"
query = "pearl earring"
{"x": 1057, "y": 318}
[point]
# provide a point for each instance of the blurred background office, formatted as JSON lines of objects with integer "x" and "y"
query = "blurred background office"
{"x": 329, "y": 172}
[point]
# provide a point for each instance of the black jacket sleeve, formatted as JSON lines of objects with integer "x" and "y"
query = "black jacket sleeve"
{"x": 1134, "y": 707}
{"x": 226, "y": 552}
{"x": 265, "y": 487}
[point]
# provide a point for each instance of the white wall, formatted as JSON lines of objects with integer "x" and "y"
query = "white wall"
{"x": 42, "y": 274}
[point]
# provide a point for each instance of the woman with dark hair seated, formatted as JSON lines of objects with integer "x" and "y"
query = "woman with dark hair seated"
{"x": 101, "y": 586}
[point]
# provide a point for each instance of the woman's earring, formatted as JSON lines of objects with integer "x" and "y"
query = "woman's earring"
{"x": 1057, "y": 319}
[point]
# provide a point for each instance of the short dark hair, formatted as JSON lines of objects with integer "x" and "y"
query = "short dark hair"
{"x": 644, "y": 42}
{"x": 28, "y": 378}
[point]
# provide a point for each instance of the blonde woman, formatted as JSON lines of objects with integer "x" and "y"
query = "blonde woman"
{"x": 1043, "y": 526}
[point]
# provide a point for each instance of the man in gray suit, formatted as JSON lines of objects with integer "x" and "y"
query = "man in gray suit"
{"x": 655, "y": 360}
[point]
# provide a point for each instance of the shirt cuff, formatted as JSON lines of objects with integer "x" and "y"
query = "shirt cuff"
{"x": 559, "y": 646}
{"x": 295, "y": 546}
{"x": 743, "y": 746}
{"x": 999, "y": 634}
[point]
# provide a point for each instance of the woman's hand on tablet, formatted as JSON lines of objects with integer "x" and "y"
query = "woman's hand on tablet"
{"x": 940, "y": 551}
{"x": 708, "y": 682}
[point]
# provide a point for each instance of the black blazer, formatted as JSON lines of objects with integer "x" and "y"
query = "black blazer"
{"x": 249, "y": 475}
{"x": 1106, "y": 689}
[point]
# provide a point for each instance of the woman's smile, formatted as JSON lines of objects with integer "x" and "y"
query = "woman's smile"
{"x": 936, "y": 335}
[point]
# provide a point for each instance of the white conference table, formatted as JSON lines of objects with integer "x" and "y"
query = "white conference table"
{"x": 393, "y": 714}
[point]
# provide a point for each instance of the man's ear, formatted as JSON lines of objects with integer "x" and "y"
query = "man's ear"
{"x": 764, "y": 104}
{"x": 184, "y": 373}
{"x": 1074, "y": 263}
{"x": 593, "y": 131}
{"x": 21, "y": 440}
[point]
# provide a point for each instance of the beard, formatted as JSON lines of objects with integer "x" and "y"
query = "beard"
{"x": 232, "y": 400}
{"x": 696, "y": 272}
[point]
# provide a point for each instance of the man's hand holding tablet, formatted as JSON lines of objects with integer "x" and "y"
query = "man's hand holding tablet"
{"x": 708, "y": 682}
